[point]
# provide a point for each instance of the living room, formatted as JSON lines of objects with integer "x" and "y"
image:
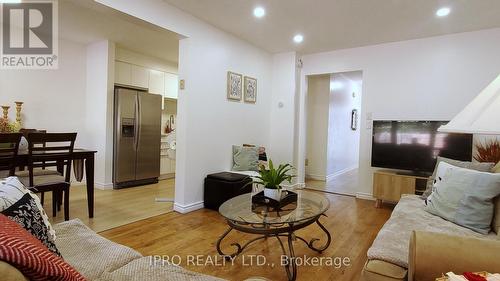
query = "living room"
{"x": 419, "y": 62}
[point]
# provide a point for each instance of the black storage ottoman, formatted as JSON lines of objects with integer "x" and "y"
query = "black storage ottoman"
{"x": 221, "y": 187}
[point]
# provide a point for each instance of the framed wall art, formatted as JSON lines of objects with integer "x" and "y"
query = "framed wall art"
{"x": 250, "y": 89}
{"x": 234, "y": 86}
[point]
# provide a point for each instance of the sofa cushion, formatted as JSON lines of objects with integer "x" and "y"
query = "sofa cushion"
{"x": 482, "y": 167}
{"x": 90, "y": 253}
{"x": 464, "y": 197}
{"x": 27, "y": 215}
{"x": 146, "y": 269}
{"x": 26, "y": 253}
{"x": 381, "y": 270}
{"x": 391, "y": 243}
{"x": 11, "y": 190}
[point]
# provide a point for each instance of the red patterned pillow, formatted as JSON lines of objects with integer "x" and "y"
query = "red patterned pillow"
{"x": 26, "y": 253}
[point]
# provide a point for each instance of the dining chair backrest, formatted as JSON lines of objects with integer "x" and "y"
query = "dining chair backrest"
{"x": 26, "y": 132}
{"x": 9, "y": 146}
{"x": 50, "y": 149}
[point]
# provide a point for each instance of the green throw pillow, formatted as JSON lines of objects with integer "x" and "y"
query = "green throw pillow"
{"x": 464, "y": 197}
{"x": 245, "y": 158}
{"x": 482, "y": 167}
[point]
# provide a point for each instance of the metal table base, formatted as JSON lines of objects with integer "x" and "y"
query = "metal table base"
{"x": 277, "y": 231}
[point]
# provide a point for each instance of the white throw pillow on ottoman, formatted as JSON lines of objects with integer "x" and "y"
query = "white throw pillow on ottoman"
{"x": 464, "y": 197}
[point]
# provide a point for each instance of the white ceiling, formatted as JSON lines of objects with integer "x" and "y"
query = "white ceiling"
{"x": 86, "y": 21}
{"x": 339, "y": 24}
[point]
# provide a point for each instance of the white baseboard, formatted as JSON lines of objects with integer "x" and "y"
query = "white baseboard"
{"x": 365, "y": 196}
{"x": 183, "y": 209}
{"x": 103, "y": 186}
{"x": 167, "y": 176}
{"x": 316, "y": 177}
{"x": 97, "y": 185}
{"x": 339, "y": 173}
{"x": 295, "y": 185}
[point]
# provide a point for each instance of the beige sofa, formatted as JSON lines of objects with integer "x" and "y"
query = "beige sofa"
{"x": 415, "y": 245}
{"x": 97, "y": 258}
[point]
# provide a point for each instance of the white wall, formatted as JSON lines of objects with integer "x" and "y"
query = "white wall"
{"x": 318, "y": 96}
{"x": 53, "y": 98}
{"x": 208, "y": 124}
{"x": 343, "y": 142}
{"x": 431, "y": 78}
{"x": 99, "y": 109}
{"x": 282, "y": 108}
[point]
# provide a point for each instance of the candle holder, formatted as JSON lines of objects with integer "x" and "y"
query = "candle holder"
{"x": 19, "y": 105}
{"x": 5, "y": 112}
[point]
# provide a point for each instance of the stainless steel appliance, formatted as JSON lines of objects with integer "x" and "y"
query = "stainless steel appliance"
{"x": 137, "y": 136}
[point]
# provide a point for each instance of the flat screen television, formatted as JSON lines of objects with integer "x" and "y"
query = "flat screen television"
{"x": 415, "y": 145}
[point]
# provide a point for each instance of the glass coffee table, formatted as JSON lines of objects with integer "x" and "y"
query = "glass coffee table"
{"x": 267, "y": 223}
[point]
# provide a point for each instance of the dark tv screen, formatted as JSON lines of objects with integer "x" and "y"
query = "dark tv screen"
{"x": 415, "y": 145}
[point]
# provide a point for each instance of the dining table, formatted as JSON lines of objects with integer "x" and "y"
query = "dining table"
{"x": 79, "y": 154}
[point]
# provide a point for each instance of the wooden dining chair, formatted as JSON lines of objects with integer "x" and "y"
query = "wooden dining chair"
{"x": 51, "y": 150}
{"x": 9, "y": 146}
{"x": 41, "y": 171}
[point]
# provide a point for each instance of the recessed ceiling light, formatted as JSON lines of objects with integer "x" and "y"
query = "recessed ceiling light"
{"x": 298, "y": 38}
{"x": 259, "y": 12}
{"x": 443, "y": 12}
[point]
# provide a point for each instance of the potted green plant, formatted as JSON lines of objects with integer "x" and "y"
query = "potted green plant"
{"x": 272, "y": 179}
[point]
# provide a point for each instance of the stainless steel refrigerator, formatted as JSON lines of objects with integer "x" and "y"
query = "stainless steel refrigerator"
{"x": 137, "y": 137}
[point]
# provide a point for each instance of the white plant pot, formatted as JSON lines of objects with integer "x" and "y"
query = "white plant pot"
{"x": 273, "y": 193}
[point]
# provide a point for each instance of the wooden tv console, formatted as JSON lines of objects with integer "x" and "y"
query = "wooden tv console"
{"x": 389, "y": 186}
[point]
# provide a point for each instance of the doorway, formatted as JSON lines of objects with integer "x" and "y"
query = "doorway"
{"x": 333, "y": 133}
{"x": 103, "y": 48}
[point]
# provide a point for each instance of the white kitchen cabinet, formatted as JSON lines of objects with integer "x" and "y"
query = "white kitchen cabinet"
{"x": 131, "y": 75}
{"x": 171, "y": 86}
{"x": 165, "y": 165}
{"x": 140, "y": 76}
{"x": 167, "y": 168}
{"x": 156, "y": 82}
{"x": 123, "y": 73}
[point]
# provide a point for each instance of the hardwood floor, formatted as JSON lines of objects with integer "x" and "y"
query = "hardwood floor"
{"x": 116, "y": 207}
{"x": 353, "y": 224}
{"x": 342, "y": 184}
